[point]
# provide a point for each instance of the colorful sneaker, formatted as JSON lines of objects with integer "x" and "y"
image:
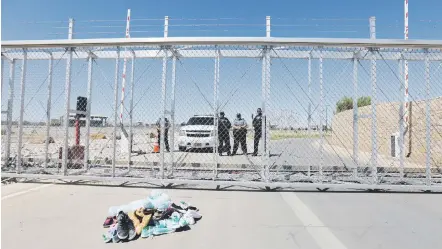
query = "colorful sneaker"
{"x": 111, "y": 234}
{"x": 108, "y": 222}
{"x": 123, "y": 225}
{"x": 132, "y": 232}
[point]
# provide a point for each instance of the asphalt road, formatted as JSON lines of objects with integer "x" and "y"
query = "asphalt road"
{"x": 296, "y": 152}
{"x": 66, "y": 216}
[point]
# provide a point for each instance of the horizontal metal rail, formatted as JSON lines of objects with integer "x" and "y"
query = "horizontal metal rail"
{"x": 254, "y": 41}
{"x": 286, "y": 53}
{"x": 209, "y": 183}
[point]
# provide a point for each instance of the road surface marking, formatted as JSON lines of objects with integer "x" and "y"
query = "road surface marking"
{"x": 320, "y": 233}
{"x": 25, "y": 191}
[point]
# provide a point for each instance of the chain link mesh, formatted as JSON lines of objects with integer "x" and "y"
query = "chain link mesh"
{"x": 190, "y": 112}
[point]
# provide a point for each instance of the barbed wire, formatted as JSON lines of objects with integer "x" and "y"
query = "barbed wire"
{"x": 224, "y": 25}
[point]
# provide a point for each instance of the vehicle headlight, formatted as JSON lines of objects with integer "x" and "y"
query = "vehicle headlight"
{"x": 182, "y": 133}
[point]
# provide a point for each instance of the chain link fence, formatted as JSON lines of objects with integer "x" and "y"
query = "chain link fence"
{"x": 345, "y": 113}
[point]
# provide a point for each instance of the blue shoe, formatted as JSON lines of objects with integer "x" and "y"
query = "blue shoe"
{"x": 111, "y": 235}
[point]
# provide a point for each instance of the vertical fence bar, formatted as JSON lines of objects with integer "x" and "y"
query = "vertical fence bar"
{"x": 373, "y": 120}
{"x": 172, "y": 115}
{"x": 321, "y": 115}
{"x": 374, "y": 146}
{"x": 401, "y": 124}
{"x": 114, "y": 139}
{"x": 67, "y": 89}
{"x": 265, "y": 107}
{"x": 48, "y": 112}
{"x": 166, "y": 26}
{"x": 215, "y": 114}
{"x": 268, "y": 26}
{"x": 22, "y": 109}
{"x": 264, "y": 111}
{"x": 163, "y": 114}
{"x": 266, "y": 126}
{"x": 71, "y": 29}
{"x": 309, "y": 114}
{"x": 9, "y": 114}
{"x": 406, "y": 118}
{"x": 131, "y": 110}
{"x": 355, "y": 117}
{"x": 2, "y": 72}
{"x": 428, "y": 120}
{"x": 267, "y": 114}
{"x": 88, "y": 111}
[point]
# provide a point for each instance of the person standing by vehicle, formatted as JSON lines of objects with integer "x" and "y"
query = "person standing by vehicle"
{"x": 166, "y": 133}
{"x": 239, "y": 134}
{"x": 257, "y": 126}
{"x": 224, "y": 126}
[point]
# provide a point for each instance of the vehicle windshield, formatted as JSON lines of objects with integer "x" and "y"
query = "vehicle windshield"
{"x": 200, "y": 121}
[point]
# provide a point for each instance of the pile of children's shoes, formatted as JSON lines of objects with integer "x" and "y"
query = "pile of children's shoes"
{"x": 149, "y": 217}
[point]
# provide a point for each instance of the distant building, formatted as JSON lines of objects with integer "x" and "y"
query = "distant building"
{"x": 96, "y": 121}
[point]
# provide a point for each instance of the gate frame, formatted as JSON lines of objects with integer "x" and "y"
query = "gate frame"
{"x": 268, "y": 43}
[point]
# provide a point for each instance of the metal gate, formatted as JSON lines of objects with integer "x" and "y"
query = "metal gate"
{"x": 336, "y": 113}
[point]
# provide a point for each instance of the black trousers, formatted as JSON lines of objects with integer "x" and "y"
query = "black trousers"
{"x": 258, "y": 135}
{"x": 239, "y": 137}
{"x": 166, "y": 140}
{"x": 223, "y": 142}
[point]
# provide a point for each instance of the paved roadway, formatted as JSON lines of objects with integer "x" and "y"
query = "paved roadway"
{"x": 66, "y": 216}
{"x": 296, "y": 152}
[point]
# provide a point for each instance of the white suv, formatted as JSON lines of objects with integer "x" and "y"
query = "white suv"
{"x": 198, "y": 133}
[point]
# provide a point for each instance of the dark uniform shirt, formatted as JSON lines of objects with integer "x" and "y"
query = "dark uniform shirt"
{"x": 224, "y": 124}
{"x": 257, "y": 122}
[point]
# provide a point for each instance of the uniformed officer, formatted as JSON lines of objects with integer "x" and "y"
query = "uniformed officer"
{"x": 224, "y": 126}
{"x": 239, "y": 134}
{"x": 166, "y": 132}
{"x": 257, "y": 126}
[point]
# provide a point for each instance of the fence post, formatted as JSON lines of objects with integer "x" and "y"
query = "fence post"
{"x": 268, "y": 64}
{"x": 355, "y": 116}
{"x": 321, "y": 115}
{"x": 48, "y": 112}
{"x": 401, "y": 124}
{"x": 114, "y": 141}
{"x": 67, "y": 89}
{"x": 309, "y": 115}
{"x": 265, "y": 109}
{"x": 131, "y": 106}
{"x": 374, "y": 147}
{"x": 172, "y": 115}
{"x": 428, "y": 119}
{"x": 67, "y": 106}
{"x": 9, "y": 114}
{"x": 71, "y": 29}
{"x": 215, "y": 113}
{"x": 2, "y": 72}
{"x": 166, "y": 26}
{"x": 268, "y": 26}
{"x": 22, "y": 109}
{"x": 88, "y": 111}
{"x": 163, "y": 115}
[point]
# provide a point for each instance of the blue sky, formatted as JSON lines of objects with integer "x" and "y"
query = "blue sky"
{"x": 389, "y": 16}
{"x": 47, "y": 19}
